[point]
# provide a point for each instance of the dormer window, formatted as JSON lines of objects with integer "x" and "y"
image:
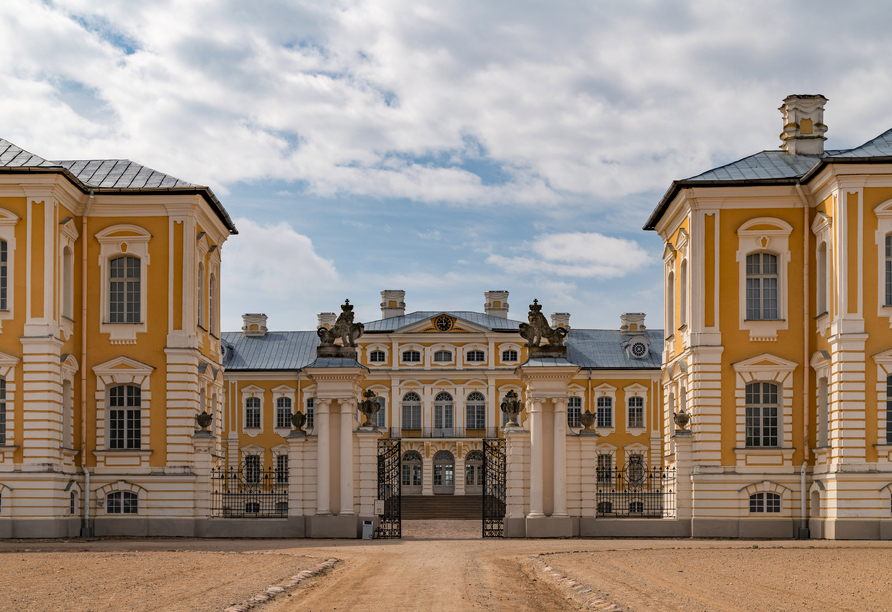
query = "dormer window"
{"x": 377, "y": 357}
{"x": 411, "y": 356}
{"x": 443, "y": 356}
{"x": 476, "y": 356}
{"x": 509, "y": 355}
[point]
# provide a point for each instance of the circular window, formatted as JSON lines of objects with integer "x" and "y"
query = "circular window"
{"x": 639, "y": 350}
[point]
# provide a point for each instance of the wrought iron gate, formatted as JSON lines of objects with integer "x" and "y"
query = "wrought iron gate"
{"x": 494, "y": 493}
{"x": 388, "y": 507}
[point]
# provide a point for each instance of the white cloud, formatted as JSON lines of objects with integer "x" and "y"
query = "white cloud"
{"x": 576, "y": 254}
{"x": 274, "y": 269}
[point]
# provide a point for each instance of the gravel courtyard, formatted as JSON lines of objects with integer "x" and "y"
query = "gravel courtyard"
{"x": 442, "y": 565}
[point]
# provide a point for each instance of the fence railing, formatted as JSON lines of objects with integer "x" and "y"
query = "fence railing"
{"x": 249, "y": 492}
{"x": 444, "y": 432}
{"x": 635, "y": 492}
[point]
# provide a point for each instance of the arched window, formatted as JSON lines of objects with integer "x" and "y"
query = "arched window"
{"x": 377, "y": 357}
{"x": 122, "y": 502}
{"x": 605, "y": 411}
{"x": 411, "y": 411}
{"x": 765, "y": 502}
{"x": 252, "y": 413}
{"x": 476, "y": 411}
{"x": 761, "y": 287}
{"x": 509, "y": 355}
{"x": 124, "y": 290}
{"x": 574, "y": 411}
{"x": 476, "y": 356}
{"x": 212, "y": 287}
{"x": 124, "y": 417}
{"x": 411, "y": 356}
{"x": 200, "y": 294}
{"x": 474, "y": 473}
{"x": 2, "y": 411}
{"x": 670, "y": 305}
{"x": 761, "y": 414}
{"x": 821, "y": 271}
{"x": 443, "y": 415}
{"x": 411, "y": 473}
{"x": 636, "y": 411}
{"x": 67, "y": 283}
{"x": 443, "y": 356}
{"x": 283, "y": 413}
{"x": 683, "y": 288}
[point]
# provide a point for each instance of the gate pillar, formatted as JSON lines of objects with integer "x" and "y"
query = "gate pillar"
{"x": 366, "y": 470}
{"x": 517, "y": 478}
{"x": 682, "y": 442}
{"x": 203, "y": 444}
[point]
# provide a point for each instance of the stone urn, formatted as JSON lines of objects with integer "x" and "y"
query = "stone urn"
{"x": 681, "y": 420}
{"x": 369, "y": 407}
{"x": 512, "y": 407}
{"x": 204, "y": 420}
{"x": 588, "y": 420}
{"x": 298, "y": 419}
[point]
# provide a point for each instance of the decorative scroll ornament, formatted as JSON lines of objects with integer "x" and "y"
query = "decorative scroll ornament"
{"x": 344, "y": 328}
{"x": 369, "y": 407}
{"x": 538, "y": 329}
{"x": 512, "y": 407}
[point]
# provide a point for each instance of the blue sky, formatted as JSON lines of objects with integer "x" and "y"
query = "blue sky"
{"x": 444, "y": 148}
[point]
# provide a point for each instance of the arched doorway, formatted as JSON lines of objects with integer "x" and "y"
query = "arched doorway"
{"x": 474, "y": 473}
{"x": 444, "y": 473}
{"x": 411, "y": 476}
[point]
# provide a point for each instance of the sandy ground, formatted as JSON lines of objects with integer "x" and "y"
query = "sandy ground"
{"x": 444, "y": 565}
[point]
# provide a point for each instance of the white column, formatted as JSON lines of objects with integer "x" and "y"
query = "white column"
{"x": 560, "y": 457}
{"x": 347, "y": 408}
{"x": 537, "y": 458}
{"x": 323, "y": 457}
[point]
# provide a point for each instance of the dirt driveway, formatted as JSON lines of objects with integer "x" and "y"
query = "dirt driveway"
{"x": 445, "y": 566}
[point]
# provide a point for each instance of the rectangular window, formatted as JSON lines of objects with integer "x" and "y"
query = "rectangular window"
{"x": 121, "y": 502}
{"x": 888, "y": 270}
{"x": 3, "y": 276}
{"x": 761, "y": 287}
{"x": 411, "y": 356}
{"x": 476, "y": 356}
{"x": 379, "y": 419}
{"x": 124, "y": 288}
{"x": 574, "y": 411}
{"x": 411, "y": 416}
{"x": 761, "y": 415}
{"x": 283, "y": 413}
{"x": 888, "y": 406}
{"x": 281, "y": 469}
{"x": 605, "y": 469}
{"x": 252, "y": 469}
{"x": 765, "y": 502}
{"x": 476, "y": 416}
{"x": 71, "y": 499}
{"x": 376, "y": 356}
{"x": 2, "y": 411}
{"x": 636, "y": 412}
{"x": 509, "y": 355}
{"x": 124, "y": 417}
{"x": 252, "y": 413}
{"x": 311, "y": 413}
{"x": 605, "y": 412}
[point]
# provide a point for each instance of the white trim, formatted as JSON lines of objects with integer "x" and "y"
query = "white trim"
{"x": 884, "y": 228}
{"x": 636, "y": 390}
{"x": 134, "y": 242}
{"x": 247, "y": 392}
{"x": 8, "y": 221}
{"x": 777, "y": 242}
{"x": 605, "y": 390}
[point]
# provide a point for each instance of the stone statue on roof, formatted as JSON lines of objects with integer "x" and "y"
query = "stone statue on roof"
{"x": 344, "y": 328}
{"x": 538, "y": 329}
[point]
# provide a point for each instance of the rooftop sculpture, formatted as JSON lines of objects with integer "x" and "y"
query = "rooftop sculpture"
{"x": 537, "y": 330}
{"x": 344, "y": 330}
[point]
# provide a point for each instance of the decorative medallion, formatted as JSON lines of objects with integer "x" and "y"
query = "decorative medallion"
{"x": 444, "y": 323}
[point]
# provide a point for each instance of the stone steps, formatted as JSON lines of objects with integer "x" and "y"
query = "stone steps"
{"x": 455, "y": 507}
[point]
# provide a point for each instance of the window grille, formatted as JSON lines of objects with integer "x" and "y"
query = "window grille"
{"x": 476, "y": 356}
{"x": 604, "y": 472}
{"x": 281, "y": 469}
{"x": 636, "y": 411}
{"x": 443, "y": 411}
{"x": 605, "y": 412}
{"x": 3, "y": 276}
{"x": 377, "y": 357}
{"x": 121, "y": 502}
{"x": 311, "y": 413}
{"x": 443, "y": 356}
{"x": 761, "y": 414}
{"x": 123, "y": 290}
{"x": 574, "y": 411}
{"x": 411, "y": 356}
{"x": 765, "y": 502}
{"x": 761, "y": 286}
{"x": 253, "y": 469}
{"x": 509, "y": 355}
{"x": 252, "y": 413}
{"x": 283, "y": 412}
{"x": 124, "y": 417}
{"x": 411, "y": 411}
{"x": 476, "y": 411}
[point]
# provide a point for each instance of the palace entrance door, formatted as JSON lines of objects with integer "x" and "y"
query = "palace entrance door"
{"x": 444, "y": 473}
{"x": 474, "y": 473}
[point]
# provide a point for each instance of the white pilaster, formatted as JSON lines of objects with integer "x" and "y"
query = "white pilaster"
{"x": 323, "y": 464}
{"x": 537, "y": 451}
{"x": 560, "y": 457}
{"x": 348, "y": 408}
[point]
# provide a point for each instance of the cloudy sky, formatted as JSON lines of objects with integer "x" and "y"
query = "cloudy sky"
{"x": 445, "y": 148}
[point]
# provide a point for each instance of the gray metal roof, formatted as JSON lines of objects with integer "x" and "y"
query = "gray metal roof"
{"x": 274, "y": 351}
{"x": 335, "y": 362}
{"x": 776, "y": 167}
{"x": 101, "y": 174}
{"x": 475, "y": 318}
{"x": 587, "y": 348}
{"x": 546, "y": 362}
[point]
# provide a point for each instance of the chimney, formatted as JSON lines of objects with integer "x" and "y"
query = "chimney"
{"x": 254, "y": 324}
{"x": 560, "y": 319}
{"x": 392, "y": 303}
{"x": 496, "y": 304}
{"x": 632, "y": 324}
{"x": 326, "y": 320}
{"x": 803, "y": 124}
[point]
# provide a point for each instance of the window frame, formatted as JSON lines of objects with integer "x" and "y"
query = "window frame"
{"x": 414, "y": 356}
{"x": 771, "y": 235}
{"x": 130, "y": 241}
{"x": 604, "y": 407}
{"x": 8, "y": 222}
{"x": 284, "y": 406}
{"x": 766, "y": 502}
{"x": 479, "y": 407}
{"x": 448, "y": 354}
{"x": 758, "y": 282}
{"x": 411, "y": 404}
{"x": 574, "y": 411}
{"x": 759, "y": 422}
{"x": 130, "y": 441}
{"x": 476, "y": 353}
{"x": 375, "y": 353}
{"x": 310, "y": 413}
{"x": 128, "y": 500}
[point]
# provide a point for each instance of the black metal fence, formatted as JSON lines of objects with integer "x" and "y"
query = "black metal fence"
{"x": 250, "y": 491}
{"x": 635, "y": 492}
{"x": 389, "y": 489}
{"x": 494, "y": 488}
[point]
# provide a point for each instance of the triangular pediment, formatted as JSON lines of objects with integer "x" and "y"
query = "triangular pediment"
{"x": 119, "y": 364}
{"x": 442, "y": 323}
{"x": 765, "y": 362}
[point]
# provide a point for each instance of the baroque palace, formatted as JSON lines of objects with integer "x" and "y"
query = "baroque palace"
{"x": 763, "y": 409}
